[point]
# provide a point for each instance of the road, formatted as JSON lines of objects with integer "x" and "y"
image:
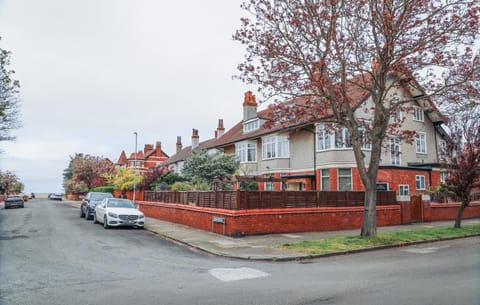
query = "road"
{"x": 49, "y": 255}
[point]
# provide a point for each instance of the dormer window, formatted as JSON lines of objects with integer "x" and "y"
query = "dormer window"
{"x": 418, "y": 114}
{"x": 251, "y": 125}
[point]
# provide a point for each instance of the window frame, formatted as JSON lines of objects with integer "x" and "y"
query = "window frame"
{"x": 421, "y": 139}
{"x": 404, "y": 187}
{"x": 242, "y": 150}
{"x": 322, "y": 176}
{"x": 395, "y": 155}
{"x": 418, "y": 114}
{"x": 420, "y": 179}
{"x": 275, "y": 147}
{"x": 344, "y": 176}
{"x": 251, "y": 125}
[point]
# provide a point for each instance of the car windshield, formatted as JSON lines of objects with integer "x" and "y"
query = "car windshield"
{"x": 14, "y": 198}
{"x": 120, "y": 203}
{"x": 99, "y": 197}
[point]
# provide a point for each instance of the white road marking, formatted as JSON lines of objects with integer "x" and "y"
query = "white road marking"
{"x": 236, "y": 274}
{"x": 426, "y": 250}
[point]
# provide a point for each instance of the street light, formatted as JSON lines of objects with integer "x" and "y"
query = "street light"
{"x": 134, "y": 167}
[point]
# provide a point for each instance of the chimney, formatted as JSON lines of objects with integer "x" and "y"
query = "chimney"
{"x": 179, "y": 144}
{"x": 220, "y": 129}
{"x": 249, "y": 106}
{"x": 195, "y": 138}
{"x": 148, "y": 148}
{"x": 158, "y": 148}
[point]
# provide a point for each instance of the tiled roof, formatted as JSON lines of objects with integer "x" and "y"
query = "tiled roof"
{"x": 185, "y": 153}
{"x": 122, "y": 160}
{"x": 356, "y": 92}
{"x": 139, "y": 156}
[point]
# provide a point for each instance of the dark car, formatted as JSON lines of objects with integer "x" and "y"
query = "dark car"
{"x": 14, "y": 201}
{"x": 91, "y": 200}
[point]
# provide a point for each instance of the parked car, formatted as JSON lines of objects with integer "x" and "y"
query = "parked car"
{"x": 91, "y": 200}
{"x": 55, "y": 197}
{"x": 118, "y": 212}
{"x": 14, "y": 201}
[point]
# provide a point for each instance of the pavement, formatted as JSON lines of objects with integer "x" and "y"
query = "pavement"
{"x": 262, "y": 247}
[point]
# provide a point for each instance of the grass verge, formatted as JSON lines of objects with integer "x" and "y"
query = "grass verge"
{"x": 349, "y": 243}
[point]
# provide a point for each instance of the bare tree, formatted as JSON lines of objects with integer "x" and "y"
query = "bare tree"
{"x": 9, "y": 103}
{"x": 328, "y": 56}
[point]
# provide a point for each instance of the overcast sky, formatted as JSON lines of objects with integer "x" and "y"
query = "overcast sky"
{"x": 94, "y": 71}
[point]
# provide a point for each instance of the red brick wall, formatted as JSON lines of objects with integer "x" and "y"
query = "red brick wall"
{"x": 448, "y": 211}
{"x": 269, "y": 221}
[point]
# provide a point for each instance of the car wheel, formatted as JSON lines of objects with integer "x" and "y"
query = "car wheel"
{"x": 87, "y": 214}
{"x": 105, "y": 223}
{"x": 82, "y": 214}
{"x": 95, "y": 221}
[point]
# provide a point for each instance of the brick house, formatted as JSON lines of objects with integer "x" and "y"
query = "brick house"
{"x": 151, "y": 157}
{"x": 312, "y": 158}
{"x": 176, "y": 161}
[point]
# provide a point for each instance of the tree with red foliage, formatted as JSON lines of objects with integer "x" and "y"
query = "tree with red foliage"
{"x": 151, "y": 176}
{"x": 464, "y": 155}
{"x": 86, "y": 172}
{"x": 327, "y": 56}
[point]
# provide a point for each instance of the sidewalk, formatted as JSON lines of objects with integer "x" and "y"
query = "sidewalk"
{"x": 258, "y": 247}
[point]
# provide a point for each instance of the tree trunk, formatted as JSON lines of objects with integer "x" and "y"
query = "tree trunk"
{"x": 369, "y": 224}
{"x": 458, "y": 220}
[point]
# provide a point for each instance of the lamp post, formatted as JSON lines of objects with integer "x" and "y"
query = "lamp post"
{"x": 134, "y": 167}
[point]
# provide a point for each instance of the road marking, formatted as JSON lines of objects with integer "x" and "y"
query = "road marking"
{"x": 236, "y": 274}
{"x": 426, "y": 250}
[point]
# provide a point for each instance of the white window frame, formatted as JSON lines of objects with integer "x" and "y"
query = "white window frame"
{"x": 344, "y": 176}
{"x": 421, "y": 143}
{"x": 404, "y": 190}
{"x": 251, "y": 125}
{"x": 324, "y": 138}
{"x": 242, "y": 151}
{"x": 269, "y": 186}
{"x": 442, "y": 150}
{"x": 322, "y": 176}
{"x": 420, "y": 182}
{"x": 443, "y": 176}
{"x": 418, "y": 114}
{"x": 395, "y": 154}
{"x": 139, "y": 164}
{"x": 275, "y": 147}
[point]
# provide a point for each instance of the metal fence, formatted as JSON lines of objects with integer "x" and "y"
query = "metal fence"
{"x": 247, "y": 200}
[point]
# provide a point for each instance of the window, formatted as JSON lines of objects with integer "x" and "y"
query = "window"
{"x": 246, "y": 152}
{"x": 421, "y": 143}
{"x": 420, "y": 182}
{"x": 251, "y": 125}
{"x": 365, "y": 139}
{"x": 404, "y": 190}
{"x": 339, "y": 138}
{"x": 418, "y": 114}
{"x": 442, "y": 150}
{"x": 396, "y": 116}
{"x": 395, "y": 151}
{"x": 325, "y": 179}
{"x": 343, "y": 139}
{"x": 138, "y": 164}
{"x": 323, "y": 138}
{"x": 344, "y": 179}
{"x": 275, "y": 147}
{"x": 443, "y": 177}
{"x": 269, "y": 186}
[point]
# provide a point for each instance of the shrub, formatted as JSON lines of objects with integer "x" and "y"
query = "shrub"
{"x": 103, "y": 189}
{"x": 181, "y": 186}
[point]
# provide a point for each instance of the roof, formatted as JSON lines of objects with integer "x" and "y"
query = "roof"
{"x": 122, "y": 160}
{"x": 186, "y": 152}
{"x": 355, "y": 92}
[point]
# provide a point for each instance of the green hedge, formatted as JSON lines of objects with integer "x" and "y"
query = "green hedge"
{"x": 103, "y": 189}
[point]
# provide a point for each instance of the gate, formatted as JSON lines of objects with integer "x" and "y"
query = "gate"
{"x": 416, "y": 208}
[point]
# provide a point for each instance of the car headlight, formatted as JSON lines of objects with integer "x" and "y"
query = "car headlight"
{"x": 112, "y": 215}
{"x": 141, "y": 216}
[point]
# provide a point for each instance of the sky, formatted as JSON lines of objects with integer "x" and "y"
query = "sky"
{"x": 93, "y": 72}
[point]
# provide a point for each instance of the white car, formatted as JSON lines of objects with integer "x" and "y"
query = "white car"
{"x": 117, "y": 212}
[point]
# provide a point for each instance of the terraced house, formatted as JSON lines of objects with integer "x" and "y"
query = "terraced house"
{"x": 310, "y": 156}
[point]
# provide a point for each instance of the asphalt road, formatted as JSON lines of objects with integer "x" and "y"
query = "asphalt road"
{"x": 49, "y": 255}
